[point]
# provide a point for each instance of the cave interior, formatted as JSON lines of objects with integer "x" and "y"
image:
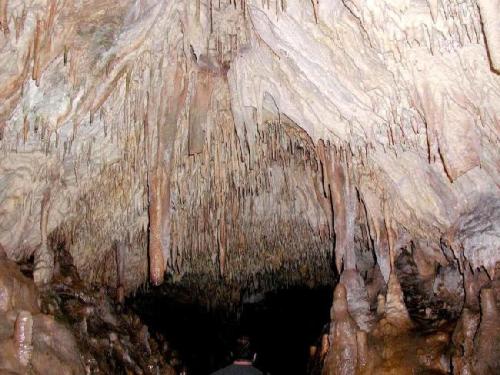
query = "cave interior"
{"x": 320, "y": 176}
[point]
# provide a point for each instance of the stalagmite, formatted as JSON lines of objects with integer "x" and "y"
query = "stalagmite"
{"x": 363, "y": 355}
{"x": 395, "y": 308}
{"x": 463, "y": 340}
{"x": 23, "y": 334}
{"x": 342, "y": 357}
{"x": 380, "y": 304}
{"x": 487, "y": 339}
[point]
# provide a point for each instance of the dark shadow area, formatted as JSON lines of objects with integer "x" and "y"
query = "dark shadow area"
{"x": 282, "y": 326}
{"x": 428, "y": 305}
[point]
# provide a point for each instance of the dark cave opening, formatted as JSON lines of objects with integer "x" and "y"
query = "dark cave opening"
{"x": 282, "y": 326}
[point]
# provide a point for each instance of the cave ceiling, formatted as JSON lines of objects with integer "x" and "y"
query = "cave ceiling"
{"x": 224, "y": 139}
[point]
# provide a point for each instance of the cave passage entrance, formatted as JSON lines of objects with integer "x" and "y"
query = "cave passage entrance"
{"x": 282, "y": 325}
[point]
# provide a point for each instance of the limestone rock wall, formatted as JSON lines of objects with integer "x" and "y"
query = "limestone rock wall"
{"x": 227, "y": 138}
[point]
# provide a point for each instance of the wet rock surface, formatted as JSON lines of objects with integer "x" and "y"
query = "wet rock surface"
{"x": 440, "y": 339}
{"x": 31, "y": 341}
{"x": 68, "y": 328}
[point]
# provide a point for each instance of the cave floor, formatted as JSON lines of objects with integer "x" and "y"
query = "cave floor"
{"x": 286, "y": 328}
{"x": 282, "y": 325}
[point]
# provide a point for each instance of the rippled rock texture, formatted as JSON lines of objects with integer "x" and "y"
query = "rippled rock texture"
{"x": 230, "y": 140}
{"x": 204, "y": 133}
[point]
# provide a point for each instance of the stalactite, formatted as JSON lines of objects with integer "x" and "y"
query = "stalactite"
{"x": 315, "y": 5}
{"x": 44, "y": 258}
{"x": 340, "y": 197}
{"x": 222, "y": 244}
{"x": 490, "y": 13}
{"x": 325, "y": 177}
{"x": 36, "y": 52}
{"x": 121, "y": 247}
{"x": 391, "y": 240}
{"x": 198, "y": 11}
{"x": 211, "y": 15}
{"x": 281, "y": 170}
{"x": 49, "y": 23}
{"x": 474, "y": 281}
{"x": 4, "y": 20}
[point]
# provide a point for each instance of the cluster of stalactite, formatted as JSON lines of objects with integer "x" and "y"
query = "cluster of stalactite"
{"x": 246, "y": 220}
{"x": 151, "y": 182}
{"x": 157, "y": 154}
{"x": 158, "y": 161}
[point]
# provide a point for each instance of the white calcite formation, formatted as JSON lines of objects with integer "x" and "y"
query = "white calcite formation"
{"x": 228, "y": 139}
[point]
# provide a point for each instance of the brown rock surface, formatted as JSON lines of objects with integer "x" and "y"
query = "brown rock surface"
{"x": 342, "y": 357}
{"x": 30, "y": 341}
{"x": 69, "y": 339}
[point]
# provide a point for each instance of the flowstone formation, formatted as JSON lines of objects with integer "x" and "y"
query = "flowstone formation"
{"x": 218, "y": 142}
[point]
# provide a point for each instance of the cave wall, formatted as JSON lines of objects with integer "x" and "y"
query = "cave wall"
{"x": 230, "y": 138}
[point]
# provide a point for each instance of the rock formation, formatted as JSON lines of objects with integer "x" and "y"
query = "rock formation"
{"x": 343, "y": 354}
{"x": 30, "y": 341}
{"x": 70, "y": 329}
{"x": 234, "y": 145}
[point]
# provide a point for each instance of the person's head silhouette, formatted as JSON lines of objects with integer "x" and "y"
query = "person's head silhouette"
{"x": 243, "y": 350}
{"x": 243, "y": 358}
